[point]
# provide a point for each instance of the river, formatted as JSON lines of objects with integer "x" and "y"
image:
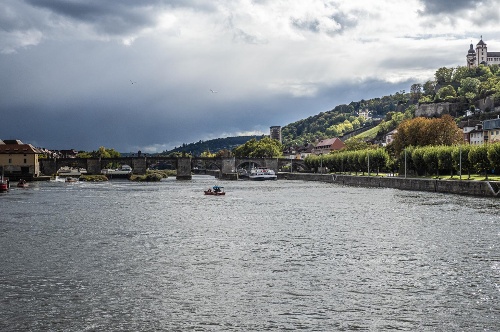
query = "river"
{"x": 269, "y": 256}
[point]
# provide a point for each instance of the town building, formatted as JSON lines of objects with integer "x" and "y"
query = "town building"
{"x": 299, "y": 152}
{"x": 476, "y": 136}
{"x": 467, "y": 127}
{"x": 328, "y": 145}
{"x": 365, "y": 113}
{"x": 491, "y": 130}
{"x": 481, "y": 55}
{"x": 19, "y": 160}
{"x": 275, "y": 133}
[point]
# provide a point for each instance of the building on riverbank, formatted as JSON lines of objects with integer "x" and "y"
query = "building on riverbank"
{"x": 19, "y": 160}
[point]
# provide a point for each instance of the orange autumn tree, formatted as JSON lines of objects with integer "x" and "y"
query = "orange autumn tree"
{"x": 424, "y": 131}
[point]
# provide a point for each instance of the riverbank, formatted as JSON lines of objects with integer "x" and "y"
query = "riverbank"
{"x": 460, "y": 187}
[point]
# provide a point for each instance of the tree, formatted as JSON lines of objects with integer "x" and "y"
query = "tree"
{"x": 378, "y": 159}
{"x": 494, "y": 155}
{"x": 264, "y": 148}
{"x": 469, "y": 85}
{"x": 356, "y": 143}
{"x": 444, "y": 75}
{"x": 461, "y": 160}
{"x": 416, "y": 92}
{"x": 478, "y": 157}
{"x": 446, "y": 92}
{"x": 462, "y": 72}
{"x": 431, "y": 159}
{"x": 422, "y": 132}
{"x": 429, "y": 88}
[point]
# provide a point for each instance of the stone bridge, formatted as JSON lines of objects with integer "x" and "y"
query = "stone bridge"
{"x": 183, "y": 165}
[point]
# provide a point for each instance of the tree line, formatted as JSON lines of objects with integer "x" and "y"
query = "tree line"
{"x": 422, "y": 161}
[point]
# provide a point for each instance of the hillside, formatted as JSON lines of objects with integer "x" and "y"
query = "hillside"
{"x": 214, "y": 145}
{"x": 466, "y": 87}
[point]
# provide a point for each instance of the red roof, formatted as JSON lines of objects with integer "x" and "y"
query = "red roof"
{"x": 334, "y": 143}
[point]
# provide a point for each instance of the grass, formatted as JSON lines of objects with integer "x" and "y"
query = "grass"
{"x": 369, "y": 134}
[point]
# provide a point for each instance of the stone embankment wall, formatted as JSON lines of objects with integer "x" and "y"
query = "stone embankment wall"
{"x": 461, "y": 187}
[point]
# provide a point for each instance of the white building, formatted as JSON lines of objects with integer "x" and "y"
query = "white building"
{"x": 481, "y": 55}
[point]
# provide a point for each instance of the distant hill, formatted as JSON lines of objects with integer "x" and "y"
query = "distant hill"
{"x": 214, "y": 145}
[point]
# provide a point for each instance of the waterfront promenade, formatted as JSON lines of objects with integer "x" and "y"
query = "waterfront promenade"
{"x": 461, "y": 187}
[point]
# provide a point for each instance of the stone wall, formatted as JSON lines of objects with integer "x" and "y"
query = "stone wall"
{"x": 437, "y": 109}
{"x": 461, "y": 187}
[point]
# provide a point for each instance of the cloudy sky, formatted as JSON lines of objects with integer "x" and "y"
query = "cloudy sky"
{"x": 136, "y": 75}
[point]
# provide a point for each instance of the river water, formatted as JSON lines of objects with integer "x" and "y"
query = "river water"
{"x": 268, "y": 256}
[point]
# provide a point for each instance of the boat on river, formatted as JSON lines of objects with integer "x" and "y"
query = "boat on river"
{"x": 215, "y": 191}
{"x": 262, "y": 173}
{"x": 22, "y": 184}
{"x": 123, "y": 172}
{"x": 4, "y": 183}
{"x": 71, "y": 179}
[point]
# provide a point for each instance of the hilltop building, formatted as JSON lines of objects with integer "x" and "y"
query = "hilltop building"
{"x": 481, "y": 55}
{"x": 275, "y": 133}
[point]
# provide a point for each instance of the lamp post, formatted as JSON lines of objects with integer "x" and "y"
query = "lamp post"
{"x": 368, "y": 154}
{"x": 405, "y": 163}
{"x": 321, "y": 163}
{"x": 460, "y": 168}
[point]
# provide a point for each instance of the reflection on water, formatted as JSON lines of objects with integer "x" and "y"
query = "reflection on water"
{"x": 267, "y": 256}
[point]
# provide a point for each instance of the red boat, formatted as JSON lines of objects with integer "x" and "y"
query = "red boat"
{"x": 4, "y": 184}
{"x": 215, "y": 191}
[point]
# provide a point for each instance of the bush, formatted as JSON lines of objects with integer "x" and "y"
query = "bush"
{"x": 93, "y": 178}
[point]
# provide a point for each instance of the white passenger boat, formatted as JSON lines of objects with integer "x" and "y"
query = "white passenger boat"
{"x": 262, "y": 173}
{"x": 122, "y": 172}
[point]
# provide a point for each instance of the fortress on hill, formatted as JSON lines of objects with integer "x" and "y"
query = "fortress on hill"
{"x": 481, "y": 56}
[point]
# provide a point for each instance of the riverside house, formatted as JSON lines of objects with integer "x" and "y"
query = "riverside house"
{"x": 328, "y": 145}
{"x": 19, "y": 160}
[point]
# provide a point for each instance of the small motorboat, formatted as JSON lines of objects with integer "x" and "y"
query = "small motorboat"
{"x": 71, "y": 179}
{"x": 215, "y": 191}
{"x": 22, "y": 184}
{"x": 4, "y": 185}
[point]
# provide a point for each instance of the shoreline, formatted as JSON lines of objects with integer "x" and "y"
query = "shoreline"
{"x": 459, "y": 187}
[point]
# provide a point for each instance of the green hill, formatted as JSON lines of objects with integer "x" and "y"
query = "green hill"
{"x": 213, "y": 146}
{"x": 462, "y": 85}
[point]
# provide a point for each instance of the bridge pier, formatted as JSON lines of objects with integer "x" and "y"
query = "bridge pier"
{"x": 139, "y": 165}
{"x": 184, "y": 168}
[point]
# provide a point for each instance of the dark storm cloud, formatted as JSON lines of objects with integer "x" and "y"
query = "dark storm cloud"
{"x": 435, "y": 7}
{"x": 115, "y": 17}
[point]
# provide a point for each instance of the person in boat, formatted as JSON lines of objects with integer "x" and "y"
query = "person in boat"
{"x": 217, "y": 189}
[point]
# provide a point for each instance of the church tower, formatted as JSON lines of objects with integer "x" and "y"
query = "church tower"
{"x": 481, "y": 52}
{"x": 471, "y": 57}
